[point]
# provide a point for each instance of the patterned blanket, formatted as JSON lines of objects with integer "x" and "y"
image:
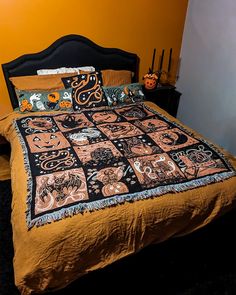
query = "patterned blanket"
{"x": 93, "y": 159}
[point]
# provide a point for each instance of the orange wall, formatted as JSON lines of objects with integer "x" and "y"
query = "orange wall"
{"x": 28, "y": 26}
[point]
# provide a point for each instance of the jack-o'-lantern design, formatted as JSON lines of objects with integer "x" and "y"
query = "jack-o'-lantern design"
{"x": 150, "y": 81}
{"x": 110, "y": 178}
{"x": 53, "y": 96}
{"x": 42, "y": 142}
{"x": 25, "y": 106}
{"x": 65, "y": 104}
{"x": 53, "y": 99}
{"x": 102, "y": 117}
{"x": 48, "y": 141}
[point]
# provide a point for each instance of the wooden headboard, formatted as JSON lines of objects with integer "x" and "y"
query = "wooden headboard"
{"x": 69, "y": 51}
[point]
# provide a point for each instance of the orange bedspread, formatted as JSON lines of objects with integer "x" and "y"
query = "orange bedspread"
{"x": 53, "y": 255}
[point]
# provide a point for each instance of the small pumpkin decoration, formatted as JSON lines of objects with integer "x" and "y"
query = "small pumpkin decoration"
{"x": 53, "y": 97}
{"x": 110, "y": 178}
{"x": 29, "y": 107}
{"x": 65, "y": 104}
{"x": 25, "y": 106}
{"x": 150, "y": 81}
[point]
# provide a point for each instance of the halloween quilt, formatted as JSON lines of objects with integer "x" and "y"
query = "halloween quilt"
{"x": 96, "y": 158}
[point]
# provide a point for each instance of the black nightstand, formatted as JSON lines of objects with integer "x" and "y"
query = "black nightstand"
{"x": 4, "y": 146}
{"x": 166, "y": 97}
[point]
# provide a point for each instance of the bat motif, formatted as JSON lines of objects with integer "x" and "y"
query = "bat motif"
{"x": 59, "y": 185}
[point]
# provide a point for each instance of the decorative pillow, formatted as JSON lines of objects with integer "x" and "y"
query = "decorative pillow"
{"x": 125, "y": 94}
{"x": 34, "y": 101}
{"x": 86, "y": 90}
{"x": 66, "y": 70}
{"x": 44, "y": 82}
{"x": 116, "y": 77}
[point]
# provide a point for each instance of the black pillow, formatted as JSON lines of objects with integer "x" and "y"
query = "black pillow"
{"x": 86, "y": 90}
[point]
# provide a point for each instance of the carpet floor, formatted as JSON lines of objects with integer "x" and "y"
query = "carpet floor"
{"x": 202, "y": 263}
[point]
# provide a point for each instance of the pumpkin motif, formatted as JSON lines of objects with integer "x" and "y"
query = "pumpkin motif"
{"x": 150, "y": 81}
{"x": 46, "y": 141}
{"x": 53, "y": 96}
{"x": 25, "y": 106}
{"x": 43, "y": 142}
{"x": 53, "y": 99}
{"x": 65, "y": 104}
{"x": 110, "y": 179}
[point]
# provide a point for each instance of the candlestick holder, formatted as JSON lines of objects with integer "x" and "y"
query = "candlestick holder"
{"x": 154, "y": 79}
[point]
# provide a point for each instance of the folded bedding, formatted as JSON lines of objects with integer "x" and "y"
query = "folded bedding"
{"x": 93, "y": 186}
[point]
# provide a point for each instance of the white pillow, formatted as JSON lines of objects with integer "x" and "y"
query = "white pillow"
{"x": 65, "y": 70}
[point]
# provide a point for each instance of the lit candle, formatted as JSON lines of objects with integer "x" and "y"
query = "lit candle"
{"x": 162, "y": 57}
{"x": 170, "y": 56}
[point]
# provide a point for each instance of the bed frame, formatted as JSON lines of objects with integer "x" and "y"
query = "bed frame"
{"x": 75, "y": 50}
{"x": 69, "y": 51}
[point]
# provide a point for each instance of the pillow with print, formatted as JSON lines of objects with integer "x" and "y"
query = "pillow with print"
{"x": 124, "y": 94}
{"x": 86, "y": 90}
{"x": 38, "y": 100}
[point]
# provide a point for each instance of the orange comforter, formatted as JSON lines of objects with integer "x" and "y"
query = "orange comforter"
{"x": 53, "y": 255}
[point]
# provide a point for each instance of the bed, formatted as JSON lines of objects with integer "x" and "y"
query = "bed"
{"x": 93, "y": 183}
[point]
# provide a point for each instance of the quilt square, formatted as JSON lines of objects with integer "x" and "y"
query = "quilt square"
{"x": 152, "y": 124}
{"x": 104, "y": 116}
{"x": 53, "y": 161}
{"x": 31, "y": 125}
{"x": 85, "y": 136}
{"x": 134, "y": 112}
{"x": 137, "y": 146}
{"x": 172, "y": 139}
{"x": 60, "y": 189}
{"x": 42, "y": 142}
{"x": 98, "y": 153}
{"x": 109, "y": 181}
{"x": 156, "y": 170}
{"x": 119, "y": 130}
{"x": 71, "y": 121}
{"x": 198, "y": 161}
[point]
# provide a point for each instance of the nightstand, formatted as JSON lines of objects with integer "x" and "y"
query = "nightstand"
{"x": 165, "y": 96}
{"x": 4, "y": 146}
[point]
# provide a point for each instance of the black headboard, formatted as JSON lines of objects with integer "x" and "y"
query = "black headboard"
{"x": 69, "y": 51}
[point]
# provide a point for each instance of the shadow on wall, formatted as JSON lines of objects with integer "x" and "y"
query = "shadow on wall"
{"x": 230, "y": 134}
